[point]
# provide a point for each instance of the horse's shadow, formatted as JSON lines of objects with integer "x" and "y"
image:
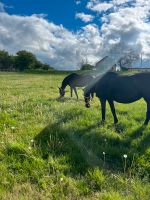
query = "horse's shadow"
{"x": 84, "y": 145}
{"x": 141, "y": 133}
{"x": 65, "y": 99}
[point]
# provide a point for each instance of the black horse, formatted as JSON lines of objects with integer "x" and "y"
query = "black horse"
{"x": 74, "y": 80}
{"x": 120, "y": 88}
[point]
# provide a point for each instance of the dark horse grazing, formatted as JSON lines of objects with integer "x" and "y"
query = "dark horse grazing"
{"x": 74, "y": 80}
{"x": 120, "y": 88}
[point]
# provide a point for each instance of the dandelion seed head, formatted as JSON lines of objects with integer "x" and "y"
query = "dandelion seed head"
{"x": 61, "y": 179}
{"x": 104, "y": 153}
{"x": 125, "y": 156}
{"x": 13, "y": 128}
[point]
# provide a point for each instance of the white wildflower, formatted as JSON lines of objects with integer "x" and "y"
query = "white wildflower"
{"x": 13, "y": 127}
{"x": 104, "y": 153}
{"x": 61, "y": 179}
{"x": 125, "y": 156}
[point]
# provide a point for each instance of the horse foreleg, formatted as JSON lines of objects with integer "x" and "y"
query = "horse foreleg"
{"x": 147, "y": 113}
{"x": 103, "y": 109}
{"x": 112, "y": 107}
{"x": 75, "y": 90}
{"x": 71, "y": 91}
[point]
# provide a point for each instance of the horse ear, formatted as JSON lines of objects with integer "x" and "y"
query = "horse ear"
{"x": 92, "y": 95}
{"x": 82, "y": 89}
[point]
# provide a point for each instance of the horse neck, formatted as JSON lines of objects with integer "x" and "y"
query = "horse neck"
{"x": 91, "y": 89}
{"x": 64, "y": 84}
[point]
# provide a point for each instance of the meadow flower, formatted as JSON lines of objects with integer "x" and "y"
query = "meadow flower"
{"x": 113, "y": 175}
{"x": 104, "y": 157}
{"x": 29, "y": 148}
{"x": 61, "y": 179}
{"x": 32, "y": 140}
{"x": 125, "y": 162}
{"x": 125, "y": 156}
{"x": 13, "y": 127}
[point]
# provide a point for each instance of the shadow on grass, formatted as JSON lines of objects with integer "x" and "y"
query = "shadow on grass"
{"x": 84, "y": 145}
{"x": 137, "y": 133}
{"x": 66, "y": 99}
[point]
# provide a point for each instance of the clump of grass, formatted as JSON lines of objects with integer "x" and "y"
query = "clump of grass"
{"x": 96, "y": 179}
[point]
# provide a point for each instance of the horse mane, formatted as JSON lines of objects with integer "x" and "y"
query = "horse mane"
{"x": 68, "y": 78}
{"x": 92, "y": 86}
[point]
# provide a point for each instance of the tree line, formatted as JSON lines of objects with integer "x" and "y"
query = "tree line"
{"x": 23, "y": 60}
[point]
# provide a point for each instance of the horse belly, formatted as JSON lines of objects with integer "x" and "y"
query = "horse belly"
{"x": 81, "y": 82}
{"x": 126, "y": 96}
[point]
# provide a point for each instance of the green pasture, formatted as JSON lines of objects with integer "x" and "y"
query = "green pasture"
{"x": 56, "y": 149}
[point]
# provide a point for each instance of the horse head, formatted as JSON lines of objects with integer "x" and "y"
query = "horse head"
{"x": 87, "y": 98}
{"x": 61, "y": 92}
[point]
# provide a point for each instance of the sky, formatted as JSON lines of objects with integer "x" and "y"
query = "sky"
{"x": 67, "y": 33}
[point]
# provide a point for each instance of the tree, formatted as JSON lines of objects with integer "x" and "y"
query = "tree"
{"x": 40, "y": 66}
{"x": 87, "y": 67}
{"x": 128, "y": 59}
{"x": 6, "y": 61}
{"x": 25, "y": 60}
{"x": 123, "y": 55}
{"x": 45, "y": 67}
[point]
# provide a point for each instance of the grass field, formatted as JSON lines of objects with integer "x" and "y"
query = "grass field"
{"x": 57, "y": 149}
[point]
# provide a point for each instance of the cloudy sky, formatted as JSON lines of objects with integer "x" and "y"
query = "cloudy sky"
{"x": 65, "y": 33}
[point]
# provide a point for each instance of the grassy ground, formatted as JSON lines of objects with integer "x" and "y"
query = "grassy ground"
{"x": 57, "y": 149}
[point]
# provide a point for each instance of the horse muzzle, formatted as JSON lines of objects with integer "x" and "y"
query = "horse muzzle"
{"x": 87, "y": 105}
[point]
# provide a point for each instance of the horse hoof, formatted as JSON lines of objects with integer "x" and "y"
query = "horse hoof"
{"x": 102, "y": 122}
{"x": 116, "y": 121}
{"x": 145, "y": 124}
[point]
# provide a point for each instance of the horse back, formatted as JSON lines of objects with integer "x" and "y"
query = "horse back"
{"x": 123, "y": 89}
{"x": 143, "y": 83}
{"x": 69, "y": 79}
{"x": 83, "y": 80}
{"x": 79, "y": 80}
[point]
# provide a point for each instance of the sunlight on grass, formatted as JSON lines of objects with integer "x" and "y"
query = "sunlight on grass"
{"x": 55, "y": 148}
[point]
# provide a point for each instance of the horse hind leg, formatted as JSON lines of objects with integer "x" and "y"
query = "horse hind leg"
{"x": 147, "y": 113}
{"x": 111, "y": 103}
{"x": 71, "y": 91}
{"x": 75, "y": 90}
{"x": 103, "y": 109}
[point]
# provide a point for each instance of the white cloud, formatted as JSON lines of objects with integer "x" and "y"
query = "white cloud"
{"x": 41, "y": 15}
{"x": 77, "y": 2}
{"x": 84, "y": 17}
{"x": 120, "y": 2}
{"x": 123, "y": 28}
{"x": 99, "y": 6}
{"x": 51, "y": 43}
{"x": 128, "y": 27}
